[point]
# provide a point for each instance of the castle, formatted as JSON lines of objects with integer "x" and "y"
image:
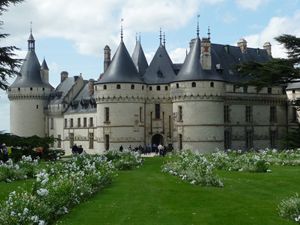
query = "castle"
{"x": 194, "y": 105}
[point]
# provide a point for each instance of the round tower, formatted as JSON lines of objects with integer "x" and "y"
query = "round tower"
{"x": 28, "y": 96}
{"x": 120, "y": 101}
{"x": 198, "y": 102}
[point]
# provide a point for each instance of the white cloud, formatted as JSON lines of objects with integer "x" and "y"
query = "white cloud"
{"x": 228, "y": 18}
{"x": 178, "y": 55}
{"x": 276, "y": 27}
{"x": 251, "y": 4}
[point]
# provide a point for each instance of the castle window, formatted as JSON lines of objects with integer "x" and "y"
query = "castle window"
{"x": 37, "y": 106}
{"x": 118, "y": 86}
{"x": 157, "y": 111}
{"x": 248, "y": 114}
{"x": 269, "y": 90}
{"x": 212, "y": 84}
{"x": 19, "y": 89}
{"x": 227, "y": 139}
{"x": 177, "y": 85}
{"x": 180, "y": 142}
{"x": 180, "y": 113}
{"x": 95, "y": 88}
{"x": 170, "y": 126}
{"x": 59, "y": 141}
{"x": 249, "y": 139}
{"x": 104, "y": 87}
{"x": 31, "y": 89}
{"x": 78, "y": 122}
{"x": 166, "y": 88}
{"x": 66, "y": 123}
{"x": 51, "y": 123}
{"x": 43, "y": 89}
{"x": 91, "y": 140}
{"x": 158, "y": 88}
{"x": 141, "y": 114}
{"x": 106, "y": 114}
{"x": 273, "y": 138}
{"x": 193, "y": 84}
{"x": 132, "y": 86}
{"x": 142, "y": 87}
{"x": 293, "y": 91}
{"x": 150, "y": 88}
{"x": 226, "y": 114}
{"x": 273, "y": 114}
{"x": 71, "y": 138}
{"x": 71, "y": 122}
{"x": 106, "y": 142}
{"x": 91, "y": 122}
{"x": 84, "y": 122}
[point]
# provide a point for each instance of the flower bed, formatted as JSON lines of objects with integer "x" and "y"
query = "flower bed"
{"x": 124, "y": 160}
{"x": 194, "y": 168}
{"x": 23, "y": 169}
{"x": 290, "y": 208}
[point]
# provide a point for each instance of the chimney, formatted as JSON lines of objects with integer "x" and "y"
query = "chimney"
{"x": 63, "y": 75}
{"x": 242, "y": 43}
{"x": 91, "y": 87}
{"x": 205, "y": 54}
{"x": 107, "y": 59}
{"x": 268, "y": 47}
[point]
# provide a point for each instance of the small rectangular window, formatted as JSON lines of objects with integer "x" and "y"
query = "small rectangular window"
{"x": 78, "y": 122}
{"x": 71, "y": 122}
{"x": 59, "y": 141}
{"x": 180, "y": 113}
{"x": 180, "y": 142}
{"x": 106, "y": 142}
{"x": 226, "y": 114}
{"x": 66, "y": 123}
{"x": 248, "y": 112}
{"x": 141, "y": 114}
{"x": 84, "y": 122}
{"x": 91, "y": 140}
{"x": 51, "y": 123}
{"x": 91, "y": 122}
{"x": 106, "y": 114}
{"x": 157, "y": 111}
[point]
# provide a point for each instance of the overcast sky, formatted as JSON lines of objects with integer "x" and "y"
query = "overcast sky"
{"x": 71, "y": 35}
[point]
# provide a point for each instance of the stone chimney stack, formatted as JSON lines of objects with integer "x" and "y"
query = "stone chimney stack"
{"x": 268, "y": 47}
{"x": 91, "y": 87}
{"x": 242, "y": 43}
{"x": 205, "y": 57}
{"x": 107, "y": 59}
{"x": 63, "y": 75}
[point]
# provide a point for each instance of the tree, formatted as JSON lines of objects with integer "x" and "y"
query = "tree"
{"x": 8, "y": 63}
{"x": 277, "y": 71}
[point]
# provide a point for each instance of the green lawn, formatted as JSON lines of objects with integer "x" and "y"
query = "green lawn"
{"x": 6, "y": 188}
{"x": 147, "y": 196}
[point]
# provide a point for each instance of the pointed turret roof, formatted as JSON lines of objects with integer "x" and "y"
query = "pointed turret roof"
{"x": 192, "y": 69}
{"x": 30, "y": 75}
{"x": 139, "y": 59}
{"x": 160, "y": 70}
{"x": 44, "y": 65}
{"x": 121, "y": 69}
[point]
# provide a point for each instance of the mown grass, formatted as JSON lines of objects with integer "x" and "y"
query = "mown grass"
{"x": 6, "y": 188}
{"x": 147, "y": 196}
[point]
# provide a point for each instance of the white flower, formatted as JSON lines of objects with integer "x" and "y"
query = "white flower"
{"x": 193, "y": 182}
{"x": 25, "y": 211}
{"x": 42, "y": 192}
{"x": 34, "y": 219}
{"x": 41, "y": 222}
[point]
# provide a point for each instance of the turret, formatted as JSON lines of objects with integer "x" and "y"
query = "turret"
{"x": 45, "y": 72}
{"x": 107, "y": 59}
{"x": 242, "y": 43}
{"x": 268, "y": 47}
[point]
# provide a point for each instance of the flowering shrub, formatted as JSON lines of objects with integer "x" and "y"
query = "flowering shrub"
{"x": 124, "y": 160}
{"x": 24, "y": 169}
{"x": 57, "y": 189}
{"x": 282, "y": 158}
{"x": 194, "y": 168}
{"x": 290, "y": 208}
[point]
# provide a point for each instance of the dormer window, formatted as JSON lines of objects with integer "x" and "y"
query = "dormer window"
{"x": 158, "y": 88}
{"x": 118, "y": 86}
{"x": 31, "y": 89}
{"x": 212, "y": 84}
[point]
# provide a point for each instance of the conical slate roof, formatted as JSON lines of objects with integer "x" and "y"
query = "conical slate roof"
{"x": 121, "y": 69}
{"x": 160, "y": 70}
{"x": 44, "y": 65}
{"x": 139, "y": 59}
{"x": 192, "y": 69}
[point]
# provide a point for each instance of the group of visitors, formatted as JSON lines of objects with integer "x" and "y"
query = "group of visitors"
{"x": 158, "y": 149}
{"x": 77, "y": 149}
{"x": 4, "y": 152}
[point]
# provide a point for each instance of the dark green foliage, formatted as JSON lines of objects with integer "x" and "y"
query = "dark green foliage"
{"x": 8, "y": 63}
{"x": 276, "y": 71}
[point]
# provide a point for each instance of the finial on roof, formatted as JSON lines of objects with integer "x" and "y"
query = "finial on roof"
{"x": 30, "y": 27}
{"x": 208, "y": 33}
{"x": 164, "y": 39}
{"x": 160, "y": 36}
{"x": 122, "y": 29}
{"x": 198, "y": 16}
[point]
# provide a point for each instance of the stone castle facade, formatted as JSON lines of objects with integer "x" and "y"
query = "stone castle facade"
{"x": 194, "y": 105}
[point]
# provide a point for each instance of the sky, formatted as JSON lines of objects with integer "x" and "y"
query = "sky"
{"x": 71, "y": 35}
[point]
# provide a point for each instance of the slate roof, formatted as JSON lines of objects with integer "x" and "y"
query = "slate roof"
{"x": 139, "y": 59}
{"x": 30, "y": 71}
{"x": 160, "y": 70}
{"x": 83, "y": 102}
{"x": 57, "y": 96}
{"x": 294, "y": 85}
{"x": 44, "y": 65}
{"x": 121, "y": 69}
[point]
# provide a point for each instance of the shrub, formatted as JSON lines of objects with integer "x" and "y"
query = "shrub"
{"x": 290, "y": 208}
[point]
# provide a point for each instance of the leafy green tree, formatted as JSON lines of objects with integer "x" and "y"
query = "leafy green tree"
{"x": 8, "y": 63}
{"x": 277, "y": 71}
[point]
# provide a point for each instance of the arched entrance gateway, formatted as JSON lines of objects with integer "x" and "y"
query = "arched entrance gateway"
{"x": 156, "y": 140}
